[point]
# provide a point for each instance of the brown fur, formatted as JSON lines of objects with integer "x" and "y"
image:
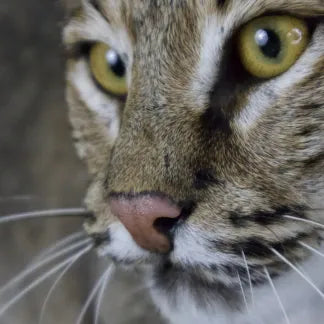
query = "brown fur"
{"x": 188, "y": 149}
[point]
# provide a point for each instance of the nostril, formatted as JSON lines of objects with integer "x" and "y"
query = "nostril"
{"x": 165, "y": 225}
{"x": 187, "y": 208}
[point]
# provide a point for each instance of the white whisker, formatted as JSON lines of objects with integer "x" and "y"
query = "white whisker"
{"x": 249, "y": 277}
{"x": 277, "y": 295}
{"x": 58, "y": 244}
{"x": 100, "y": 298}
{"x": 284, "y": 259}
{"x": 66, "y": 212}
{"x": 94, "y": 291}
{"x": 305, "y": 221}
{"x": 41, "y": 263}
{"x": 243, "y": 293}
{"x": 311, "y": 249}
{"x": 38, "y": 281}
{"x": 55, "y": 284}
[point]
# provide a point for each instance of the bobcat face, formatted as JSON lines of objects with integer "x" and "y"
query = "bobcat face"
{"x": 206, "y": 153}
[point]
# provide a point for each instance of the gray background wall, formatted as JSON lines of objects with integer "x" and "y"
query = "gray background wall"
{"x": 39, "y": 168}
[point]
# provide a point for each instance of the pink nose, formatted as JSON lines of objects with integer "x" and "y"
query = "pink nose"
{"x": 140, "y": 214}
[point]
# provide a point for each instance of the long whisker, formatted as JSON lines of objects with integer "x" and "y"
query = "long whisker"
{"x": 41, "y": 263}
{"x": 276, "y": 294}
{"x": 66, "y": 212}
{"x": 249, "y": 277}
{"x": 38, "y": 281}
{"x": 310, "y": 282}
{"x": 243, "y": 293}
{"x": 100, "y": 298}
{"x": 311, "y": 249}
{"x": 305, "y": 221}
{"x": 59, "y": 244}
{"x": 94, "y": 291}
{"x": 55, "y": 284}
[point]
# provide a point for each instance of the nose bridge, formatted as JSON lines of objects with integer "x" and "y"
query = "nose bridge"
{"x": 152, "y": 150}
{"x": 150, "y": 153}
{"x": 138, "y": 162}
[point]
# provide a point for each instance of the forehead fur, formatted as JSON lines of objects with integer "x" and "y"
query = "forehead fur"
{"x": 161, "y": 9}
{"x": 121, "y": 22}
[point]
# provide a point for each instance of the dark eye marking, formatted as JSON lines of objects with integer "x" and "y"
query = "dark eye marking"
{"x": 214, "y": 119}
{"x": 230, "y": 92}
{"x": 204, "y": 178}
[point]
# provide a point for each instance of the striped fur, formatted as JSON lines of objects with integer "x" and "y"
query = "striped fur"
{"x": 246, "y": 152}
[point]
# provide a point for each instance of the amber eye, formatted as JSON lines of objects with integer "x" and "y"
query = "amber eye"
{"x": 108, "y": 69}
{"x": 269, "y": 46}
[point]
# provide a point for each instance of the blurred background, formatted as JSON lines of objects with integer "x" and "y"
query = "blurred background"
{"x": 39, "y": 170}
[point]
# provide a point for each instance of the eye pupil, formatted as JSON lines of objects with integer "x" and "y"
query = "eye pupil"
{"x": 115, "y": 62}
{"x": 269, "y": 42}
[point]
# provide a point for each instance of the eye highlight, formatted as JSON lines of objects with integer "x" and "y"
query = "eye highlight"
{"x": 269, "y": 46}
{"x": 108, "y": 69}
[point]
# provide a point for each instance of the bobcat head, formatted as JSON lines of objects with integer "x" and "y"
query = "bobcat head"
{"x": 202, "y": 125}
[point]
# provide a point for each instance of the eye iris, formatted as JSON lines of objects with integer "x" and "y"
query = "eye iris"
{"x": 268, "y": 46}
{"x": 115, "y": 62}
{"x": 269, "y": 42}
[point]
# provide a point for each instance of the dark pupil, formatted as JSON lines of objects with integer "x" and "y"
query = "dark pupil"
{"x": 273, "y": 46}
{"x": 117, "y": 66}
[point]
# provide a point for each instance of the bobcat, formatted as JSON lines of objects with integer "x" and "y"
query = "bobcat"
{"x": 202, "y": 126}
